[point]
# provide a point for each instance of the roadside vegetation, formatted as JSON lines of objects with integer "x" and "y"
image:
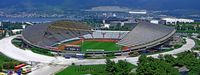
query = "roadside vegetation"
{"x": 187, "y": 27}
{"x": 41, "y": 51}
{"x": 197, "y": 44}
{"x": 165, "y": 50}
{"x": 19, "y": 43}
{"x": 7, "y": 63}
{"x": 2, "y": 34}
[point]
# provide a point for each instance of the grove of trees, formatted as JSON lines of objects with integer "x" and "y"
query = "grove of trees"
{"x": 165, "y": 64}
{"x": 120, "y": 68}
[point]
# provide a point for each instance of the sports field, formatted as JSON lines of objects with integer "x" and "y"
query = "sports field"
{"x": 99, "y": 46}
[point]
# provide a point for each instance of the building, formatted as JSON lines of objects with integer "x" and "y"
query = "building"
{"x": 154, "y": 21}
{"x": 113, "y": 21}
{"x": 108, "y": 21}
{"x": 15, "y": 31}
{"x": 176, "y": 20}
{"x": 137, "y": 12}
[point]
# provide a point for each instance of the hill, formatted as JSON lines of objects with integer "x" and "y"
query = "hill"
{"x": 85, "y": 4}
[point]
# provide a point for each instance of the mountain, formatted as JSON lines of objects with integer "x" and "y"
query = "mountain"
{"x": 86, "y": 4}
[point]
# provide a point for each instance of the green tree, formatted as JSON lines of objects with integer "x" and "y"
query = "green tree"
{"x": 111, "y": 67}
{"x": 170, "y": 59}
{"x": 152, "y": 66}
{"x": 123, "y": 67}
{"x": 191, "y": 61}
{"x": 142, "y": 58}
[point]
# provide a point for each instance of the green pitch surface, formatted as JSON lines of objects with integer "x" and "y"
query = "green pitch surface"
{"x": 87, "y": 46}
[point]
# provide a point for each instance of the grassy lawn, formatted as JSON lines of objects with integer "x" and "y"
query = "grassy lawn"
{"x": 7, "y": 63}
{"x": 165, "y": 50}
{"x": 16, "y": 42}
{"x": 106, "y": 46}
{"x": 161, "y": 51}
{"x": 42, "y": 51}
{"x": 86, "y": 69}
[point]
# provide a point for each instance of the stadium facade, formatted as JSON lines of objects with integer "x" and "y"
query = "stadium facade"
{"x": 144, "y": 35}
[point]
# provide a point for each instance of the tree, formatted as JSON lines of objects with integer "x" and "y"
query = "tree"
{"x": 1, "y": 68}
{"x": 189, "y": 59}
{"x": 142, "y": 58}
{"x": 123, "y": 68}
{"x": 9, "y": 65}
{"x": 152, "y": 66}
{"x": 111, "y": 67}
{"x": 120, "y": 68}
{"x": 170, "y": 59}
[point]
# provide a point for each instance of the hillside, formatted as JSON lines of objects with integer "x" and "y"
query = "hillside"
{"x": 85, "y": 4}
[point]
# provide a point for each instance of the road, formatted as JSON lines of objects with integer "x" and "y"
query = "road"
{"x": 7, "y": 48}
{"x": 48, "y": 70}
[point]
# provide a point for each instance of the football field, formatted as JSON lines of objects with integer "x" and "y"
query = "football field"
{"x": 99, "y": 46}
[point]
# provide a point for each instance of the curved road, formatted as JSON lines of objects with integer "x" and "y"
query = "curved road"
{"x": 8, "y": 49}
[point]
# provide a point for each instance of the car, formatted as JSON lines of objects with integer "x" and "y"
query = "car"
{"x": 26, "y": 69}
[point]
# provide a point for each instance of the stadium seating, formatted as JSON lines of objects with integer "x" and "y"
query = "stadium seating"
{"x": 50, "y": 33}
{"x": 106, "y": 34}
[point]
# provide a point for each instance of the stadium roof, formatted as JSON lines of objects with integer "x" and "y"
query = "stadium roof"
{"x": 50, "y": 33}
{"x": 145, "y": 33}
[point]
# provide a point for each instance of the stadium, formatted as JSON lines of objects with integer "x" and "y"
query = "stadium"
{"x": 71, "y": 36}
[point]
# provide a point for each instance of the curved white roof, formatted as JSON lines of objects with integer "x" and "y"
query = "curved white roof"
{"x": 145, "y": 33}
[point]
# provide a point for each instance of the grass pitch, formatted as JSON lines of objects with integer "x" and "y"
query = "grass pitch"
{"x": 99, "y": 46}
